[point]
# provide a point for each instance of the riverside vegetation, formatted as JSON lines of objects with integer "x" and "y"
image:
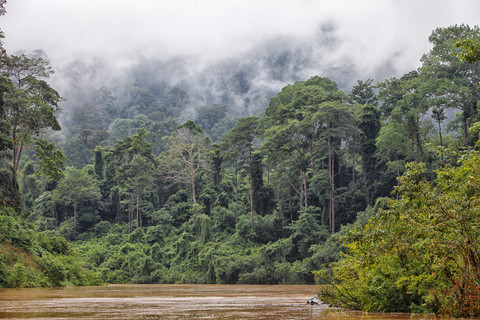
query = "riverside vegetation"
{"x": 299, "y": 195}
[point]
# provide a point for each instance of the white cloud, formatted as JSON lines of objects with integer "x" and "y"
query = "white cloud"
{"x": 369, "y": 32}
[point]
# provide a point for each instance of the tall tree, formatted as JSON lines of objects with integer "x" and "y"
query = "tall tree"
{"x": 290, "y": 146}
{"x": 76, "y": 186}
{"x": 369, "y": 126}
{"x": 438, "y": 114}
{"x": 9, "y": 192}
{"x": 290, "y": 130}
{"x": 31, "y": 103}
{"x": 442, "y": 63}
{"x": 239, "y": 143}
{"x": 187, "y": 154}
{"x": 407, "y": 104}
{"x": 136, "y": 178}
{"x": 363, "y": 93}
{"x": 337, "y": 123}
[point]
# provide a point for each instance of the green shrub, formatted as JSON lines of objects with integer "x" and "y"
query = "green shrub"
{"x": 18, "y": 276}
{"x": 113, "y": 239}
{"x": 12, "y": 230}
{"x": 54, "y": 270}
{"x": 137, "y": 236}
{"x": 4, "y": 272}
{"x": 54, "y": 244}
{"x": 102, "y": 228}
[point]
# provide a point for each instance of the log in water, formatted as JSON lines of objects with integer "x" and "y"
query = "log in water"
{"x": 173, "y": 302}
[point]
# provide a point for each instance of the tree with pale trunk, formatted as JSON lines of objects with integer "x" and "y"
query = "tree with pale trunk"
{"x": 186, "y": 155}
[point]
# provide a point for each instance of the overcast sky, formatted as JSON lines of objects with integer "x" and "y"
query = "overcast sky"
{"x": 369, "y": 31}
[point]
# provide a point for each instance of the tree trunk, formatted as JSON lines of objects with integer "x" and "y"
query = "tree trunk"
{"x": 354, "y": 178}
{"x": 331, "y": 171}
{"x": 236, "y": 196}
{"x": 304, "y": 175}
{"x": 333, "y": 194}
{"x": 192, "y": 177}
{"x": 420, "y": 148}
{"x": 75, "y": 218}
{"x": 15, "y": 148}
{"x": 130, "y": 218}
{"x": 138, "y": 209}
{"x": 250, "y": 178}
{"x": 441, "y": 139}
{"x": 440, "y": 133}
{"x": 331, "y": 207}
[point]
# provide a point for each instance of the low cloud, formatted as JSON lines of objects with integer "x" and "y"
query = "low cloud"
{"x": 207, "y": 43}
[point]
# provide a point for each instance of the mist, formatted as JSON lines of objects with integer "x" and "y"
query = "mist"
{"x": 235, "y": 53}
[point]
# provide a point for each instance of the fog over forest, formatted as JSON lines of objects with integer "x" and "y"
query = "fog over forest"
{"x": 238, "y": 54}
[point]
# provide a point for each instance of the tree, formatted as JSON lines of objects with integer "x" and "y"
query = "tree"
{"x": 31, "y": 103}
{"x": 369, "y": 126}
{"x": 290, "y": 146}
{"x": 419, "y": 253}
{"x": 407, "y": 100}
{"x": 471, "y": 50}
{"x": 8, "y": 184}
{"x": 187, "y": 154}
{"x": 136, "y": 178}
{"x": 336, "y": 122}
{"x": 112, "y": 161}
{"x": 291, "y": 132}
{"x": 51, "y": 160}
{"x": 239, "y": 142}
{"x": 442, "y": 63}
{"x": 363, "y": 93}
{"x": 76, "y": 186}
{"x": 438, "y": 114}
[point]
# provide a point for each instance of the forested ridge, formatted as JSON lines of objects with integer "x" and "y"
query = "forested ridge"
{"x": 304, "y": 191}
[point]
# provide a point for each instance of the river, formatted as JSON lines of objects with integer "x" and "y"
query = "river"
{"x": 175, "y": 302}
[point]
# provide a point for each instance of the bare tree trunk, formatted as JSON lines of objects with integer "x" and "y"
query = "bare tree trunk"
{"x": 192, "y": 177}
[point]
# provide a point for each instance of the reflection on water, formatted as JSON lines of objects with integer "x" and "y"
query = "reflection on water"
{"x": 174, "y": 302}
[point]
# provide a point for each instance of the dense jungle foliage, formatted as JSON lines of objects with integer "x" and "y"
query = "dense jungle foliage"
{"x": 137, "y": 193}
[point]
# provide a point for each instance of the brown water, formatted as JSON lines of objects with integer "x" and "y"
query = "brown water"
{"x": 174, "y": 302}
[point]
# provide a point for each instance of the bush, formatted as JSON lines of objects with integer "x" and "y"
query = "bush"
{"x": 4, "y": 272}
{"x": 113, "y": 239}
{"x": 54, "y": 244}
{"x": 18, "y": 277}
{"x": 53, "y": 269}
{"x": 137, "y": 236}
{"x": 13, "y": 231}
{"x": 102, "y": 228}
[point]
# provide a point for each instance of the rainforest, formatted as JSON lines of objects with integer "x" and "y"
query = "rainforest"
{"x": 369, "y": 190}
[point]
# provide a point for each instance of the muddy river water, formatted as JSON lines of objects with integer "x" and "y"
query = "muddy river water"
{"x": 175, "y": 302}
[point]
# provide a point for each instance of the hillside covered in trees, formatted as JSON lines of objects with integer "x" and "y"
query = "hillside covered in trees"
{"x": 132, "y": 191}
